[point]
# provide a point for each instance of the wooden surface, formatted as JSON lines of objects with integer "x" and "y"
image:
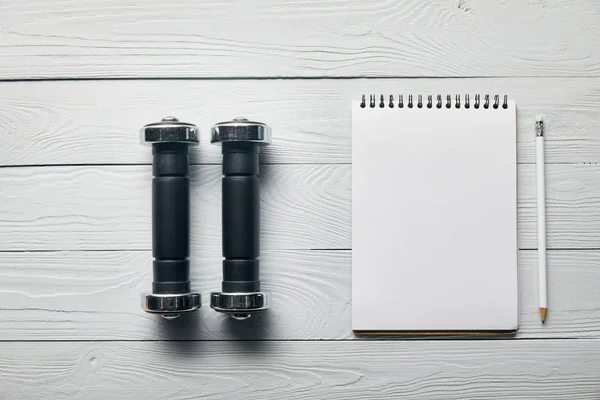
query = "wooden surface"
{"x": 75, "y": 224}
{"x": 109, "y": 207}
{"x": 95, "y": 122}
{"x": 444, "y": 370}
{"x": 291, "y": 38}
{"x": 95, "y": 295}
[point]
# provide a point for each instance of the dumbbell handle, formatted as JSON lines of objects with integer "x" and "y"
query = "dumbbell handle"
{"x": 171, "y": 218}
{"x": 241, "y": 218}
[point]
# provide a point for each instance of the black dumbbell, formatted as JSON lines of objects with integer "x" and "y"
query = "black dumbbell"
{"x": 241, "y": 141}
{"x": 171, "y": 292}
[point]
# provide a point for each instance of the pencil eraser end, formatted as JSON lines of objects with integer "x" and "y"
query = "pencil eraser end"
{"x": 539, "y": 118}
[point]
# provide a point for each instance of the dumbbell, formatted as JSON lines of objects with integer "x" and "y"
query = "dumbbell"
{"x": 241, "y": 141}
{"x": 171, "y": 293}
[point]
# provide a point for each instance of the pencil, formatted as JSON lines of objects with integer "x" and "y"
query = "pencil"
{"x": 541, "y": 218}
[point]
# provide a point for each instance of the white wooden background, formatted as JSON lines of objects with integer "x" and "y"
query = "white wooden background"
{"x": 79, "y": 78}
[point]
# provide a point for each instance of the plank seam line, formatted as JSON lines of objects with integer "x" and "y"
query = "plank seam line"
{"x": 218, "y": 164}
{"x": 150, "y": 164}
{"x": 373, "y": 339}
{"x": 287, "y": 78}
{"x": 17, "y": 251}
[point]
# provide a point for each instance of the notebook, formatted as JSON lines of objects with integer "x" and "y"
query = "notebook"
{"x": 434, "y": 214}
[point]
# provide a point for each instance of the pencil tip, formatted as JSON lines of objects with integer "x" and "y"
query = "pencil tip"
{"x": 543, "y": 312}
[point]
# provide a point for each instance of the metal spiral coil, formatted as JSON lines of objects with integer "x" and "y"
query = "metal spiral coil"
{"x": 380, "y": 102}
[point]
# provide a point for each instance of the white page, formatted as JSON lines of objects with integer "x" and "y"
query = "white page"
{"x": 434, "y": 219}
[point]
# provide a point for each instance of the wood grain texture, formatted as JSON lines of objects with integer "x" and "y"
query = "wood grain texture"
{"x": 97, "y": 122}
{"x": 96, "y": 295}
{"x": 271, "y": 38}
{"x": 302, "y": 206}
{"x": 107, "y": 208}
{"x": 75, "y": 240}
{"x": 549, "y": 369}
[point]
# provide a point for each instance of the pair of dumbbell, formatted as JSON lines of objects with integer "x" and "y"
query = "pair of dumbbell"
{"x": 240, "y": 294}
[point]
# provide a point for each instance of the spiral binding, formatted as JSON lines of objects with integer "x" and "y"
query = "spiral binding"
{"x": 373, "y": 103}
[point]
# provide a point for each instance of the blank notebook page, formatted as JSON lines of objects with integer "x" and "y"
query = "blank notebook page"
{"x": 434, "y": 219}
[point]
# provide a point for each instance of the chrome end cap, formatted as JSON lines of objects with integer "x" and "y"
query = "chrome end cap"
{"x": 239, "y": 303}
{"x": 172, "y": 303}
{"x": 169, "y": 130}
{"x": 241, "y": 130}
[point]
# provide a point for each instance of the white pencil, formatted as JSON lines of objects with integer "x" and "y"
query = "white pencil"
{"x": 541, "y": 217}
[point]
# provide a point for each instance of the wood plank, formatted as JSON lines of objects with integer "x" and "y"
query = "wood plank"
{"x": 547, "y": 369}
{"x": 572, "y": 206}
{"x": 303, "y": 207}
{"x": 270, "y": 38}
{"x": 97, "y": 122}
{"x": 96, "y": 295}
{"x": 61, "y": 208}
